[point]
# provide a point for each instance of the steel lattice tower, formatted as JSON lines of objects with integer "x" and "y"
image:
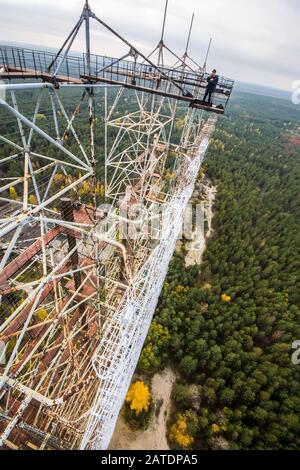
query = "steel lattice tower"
{"x": 80, "y": 272}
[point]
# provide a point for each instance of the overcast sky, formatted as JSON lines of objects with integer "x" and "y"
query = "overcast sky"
{"x": 256, "y": 41}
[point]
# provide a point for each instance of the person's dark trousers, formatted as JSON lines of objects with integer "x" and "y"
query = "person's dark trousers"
{"x": 209, "y": 94}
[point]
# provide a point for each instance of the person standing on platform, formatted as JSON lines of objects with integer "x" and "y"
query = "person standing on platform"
{"x": 212, "y": 80}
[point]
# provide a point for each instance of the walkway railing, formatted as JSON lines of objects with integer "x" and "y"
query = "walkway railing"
{"x": 180, "y": 84}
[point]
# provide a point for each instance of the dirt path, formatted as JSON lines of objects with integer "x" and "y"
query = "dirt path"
{"x": 197, "y": 245}
{"x": 154, "y": 438}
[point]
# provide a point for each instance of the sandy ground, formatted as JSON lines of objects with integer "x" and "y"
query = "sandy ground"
{"x": 197, "y": 244}
{"x": 154, "y": 438}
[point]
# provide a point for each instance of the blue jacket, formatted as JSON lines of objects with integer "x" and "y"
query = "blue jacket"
{"x": 212, "y": 82}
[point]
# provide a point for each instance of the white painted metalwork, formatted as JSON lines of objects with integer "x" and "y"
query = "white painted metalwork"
{"x": 121, "y": 344}
{"x": 81, "y": 272}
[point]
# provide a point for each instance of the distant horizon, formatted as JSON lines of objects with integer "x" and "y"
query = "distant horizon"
{"x": 237, "y": 82}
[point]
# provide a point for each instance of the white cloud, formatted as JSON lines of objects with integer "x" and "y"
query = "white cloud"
{"x": 253, "y": 40}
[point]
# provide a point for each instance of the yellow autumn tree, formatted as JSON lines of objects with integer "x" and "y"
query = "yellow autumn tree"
{"x": 216, "y": 428}
{"x": 179, "y": 430}
{"x": 41, "y": 116}
{"x": 58, "y": 178}
{"x": 169, "y": 175}
{"x": 100, "y": 189}
{"x": 32, "y": 199}
{"x": 41, "y": 314}
{"x": 225, "y": 298}
{"x": 85, "y": 189}
{"x": 13, "y": 193}
{"x": 201, "y": 172}
{"x": 138, "y": 397}
{"x": 180, "y": 291}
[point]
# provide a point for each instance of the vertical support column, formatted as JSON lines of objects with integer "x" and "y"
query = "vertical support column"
{"x": 87, "y": 37}
{"x": 25, "y": 153}
{"x": 161, "y": 42}
{"x": 91, "y": 106}
{"x": 105, "y": 143}
{"x": 66, "y": 207}
{"x": 207, "y": 54}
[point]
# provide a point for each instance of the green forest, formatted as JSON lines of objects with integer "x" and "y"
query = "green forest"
{"x": 227, "y": 326}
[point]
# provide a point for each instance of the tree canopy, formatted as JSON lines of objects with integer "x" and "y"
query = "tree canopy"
{"x": 231, "y": 322}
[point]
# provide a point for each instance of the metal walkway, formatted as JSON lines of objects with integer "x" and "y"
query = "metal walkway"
{"x": 16, "y": 63}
